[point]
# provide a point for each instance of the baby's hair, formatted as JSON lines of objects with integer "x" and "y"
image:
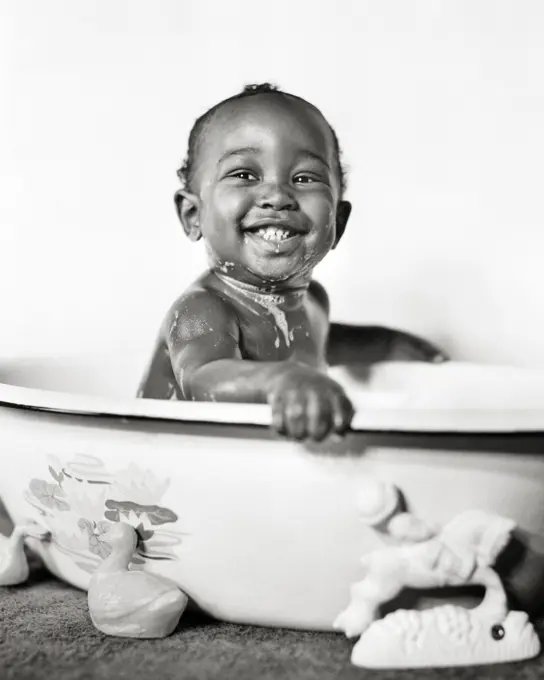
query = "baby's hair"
{"x": 185, "y": 173}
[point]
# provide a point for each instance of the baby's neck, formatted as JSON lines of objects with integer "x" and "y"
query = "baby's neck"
{"x": 280, "y": 294}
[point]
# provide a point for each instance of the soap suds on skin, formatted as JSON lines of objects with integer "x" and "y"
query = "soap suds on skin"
{"x": 226, "y": 266}
{"x": 189, "y": 327}
{"x": 174, "y": 323}
{"x": 270, "y": 303}
{"x": 172, "y": 392}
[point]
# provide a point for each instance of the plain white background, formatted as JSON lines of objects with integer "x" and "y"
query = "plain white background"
{"x": 439, "y": 106}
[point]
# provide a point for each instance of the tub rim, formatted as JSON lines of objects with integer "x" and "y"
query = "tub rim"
{"x": 374, "y": 413}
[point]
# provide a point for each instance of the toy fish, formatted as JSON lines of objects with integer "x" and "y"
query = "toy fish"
{"x": 445, "y": 636}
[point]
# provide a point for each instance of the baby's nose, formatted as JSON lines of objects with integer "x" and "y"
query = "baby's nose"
{"x": 276, "y": 196}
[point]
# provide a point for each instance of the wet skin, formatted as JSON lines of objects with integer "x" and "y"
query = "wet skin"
{"x": 265, "y": 197}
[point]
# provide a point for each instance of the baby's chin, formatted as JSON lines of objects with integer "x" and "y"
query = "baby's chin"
{"x": 277, "y": 273}
{"x": 263, "y": 277}
{"x": 265, "y": 272}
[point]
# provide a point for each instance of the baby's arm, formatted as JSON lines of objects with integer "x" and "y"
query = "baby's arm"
{"x": 369, "y": 344}
{"x": 351, "y": 344}
{"x": 202, "y": 335}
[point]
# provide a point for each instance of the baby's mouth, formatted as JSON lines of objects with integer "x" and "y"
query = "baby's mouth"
{"x": 272, "y": 233}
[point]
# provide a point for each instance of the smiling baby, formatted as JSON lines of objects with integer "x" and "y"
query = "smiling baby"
{"x": 263, "y": 186}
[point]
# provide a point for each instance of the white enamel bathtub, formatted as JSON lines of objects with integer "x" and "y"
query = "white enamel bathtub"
{"x": 253, "y": 528}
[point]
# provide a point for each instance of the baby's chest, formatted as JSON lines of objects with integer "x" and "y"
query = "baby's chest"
{"x": 274, "y": 335}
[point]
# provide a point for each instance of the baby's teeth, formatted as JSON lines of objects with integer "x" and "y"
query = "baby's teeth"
{"x": 273, "y": 234}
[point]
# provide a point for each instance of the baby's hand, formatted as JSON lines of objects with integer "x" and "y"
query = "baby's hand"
{"x": 407, "y": 347}
{"x": 307, "y": 404}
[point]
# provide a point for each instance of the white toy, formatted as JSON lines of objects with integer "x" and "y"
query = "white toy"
{"x": 445, "y": 636}
{"x": 462, "y": 553}
{"x": 14, "y": 568}
{"x": 130, "y": 603}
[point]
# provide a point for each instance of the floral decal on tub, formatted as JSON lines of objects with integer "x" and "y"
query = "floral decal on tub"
{"x": 82, "y": 498}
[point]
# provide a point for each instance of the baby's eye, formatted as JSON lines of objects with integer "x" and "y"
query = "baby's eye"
{"x": 304, "y": 179}
{"x": 244, "y": 175}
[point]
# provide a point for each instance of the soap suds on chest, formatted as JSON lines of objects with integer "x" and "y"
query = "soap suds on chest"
{"x": 271, "y": 304}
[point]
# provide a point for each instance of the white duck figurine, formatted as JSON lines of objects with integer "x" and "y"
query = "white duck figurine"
{"x": 14, "y": 568}
{"x": 132, "y": 603}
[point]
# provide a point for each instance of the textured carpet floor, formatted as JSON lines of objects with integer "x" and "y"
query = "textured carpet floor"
{"x": 46, "y": 633}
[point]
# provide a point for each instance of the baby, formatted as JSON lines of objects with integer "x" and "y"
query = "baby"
{"x": 263, "y": 186}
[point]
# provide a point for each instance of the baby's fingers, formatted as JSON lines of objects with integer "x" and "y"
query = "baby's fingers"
{"x": 406, "y": 347}
{"x": 310, "y": 414}
{"x": 319, "y": 415}
{"x": 278, "y": 414}
{"x": 430, "y": 352}
{"x": 343, "y": 413}
{"x": 295, "y": 415}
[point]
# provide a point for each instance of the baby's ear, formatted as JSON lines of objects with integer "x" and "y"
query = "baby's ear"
{"x": 188, "y": 209}
{"x": 343, "y": 212}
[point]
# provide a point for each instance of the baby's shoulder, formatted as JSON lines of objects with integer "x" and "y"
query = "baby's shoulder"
{"x": 200, "y": 306}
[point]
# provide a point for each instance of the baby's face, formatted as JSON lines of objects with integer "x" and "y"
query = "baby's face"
{"x": 268, "y": 190}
